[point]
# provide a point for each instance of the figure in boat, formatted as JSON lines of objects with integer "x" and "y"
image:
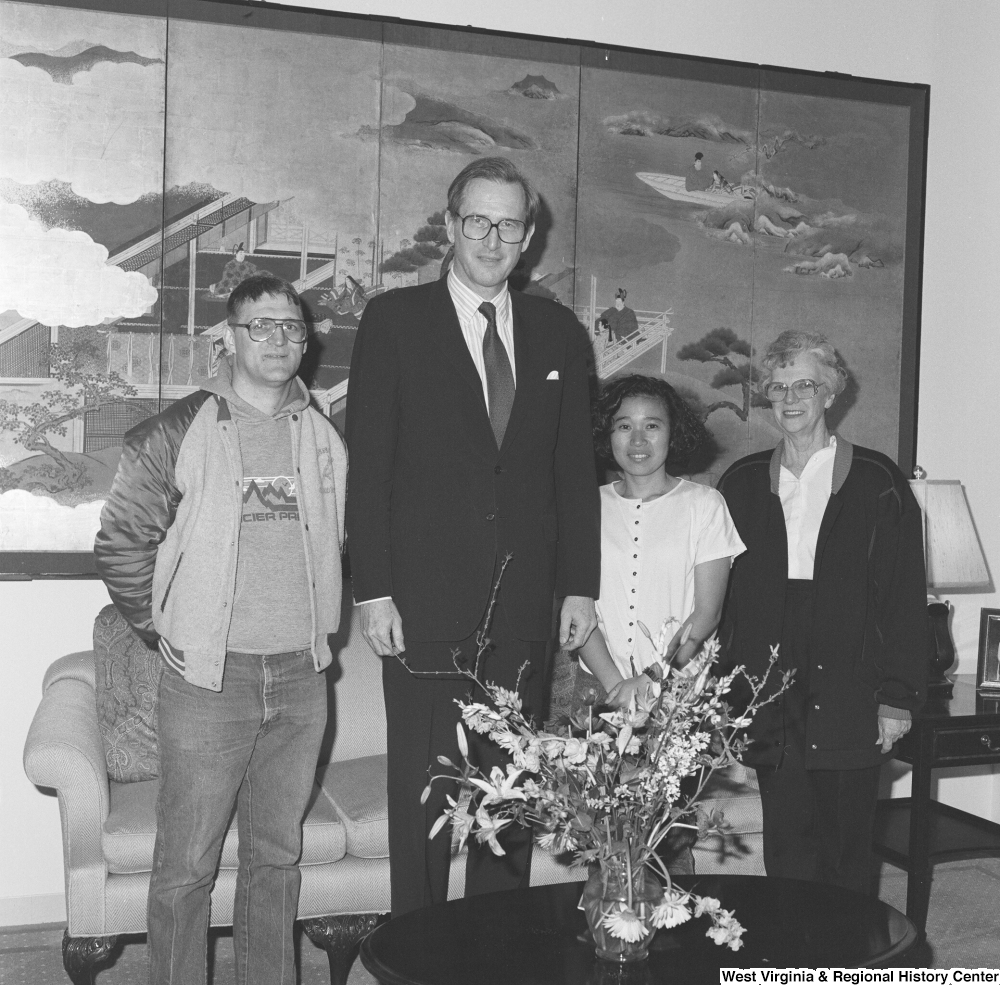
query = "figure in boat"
{"x": 698, "y": 178}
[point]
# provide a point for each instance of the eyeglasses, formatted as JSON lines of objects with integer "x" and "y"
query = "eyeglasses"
{"x": 802, "y": 390}
{"x": 478, "y": 227}
{"x": 261, "y": 329}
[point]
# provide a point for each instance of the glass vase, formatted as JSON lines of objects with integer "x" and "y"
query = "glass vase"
{"x": 610, "y": 907}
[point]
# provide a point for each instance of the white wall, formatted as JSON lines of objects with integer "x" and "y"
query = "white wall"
{"x": 41, "y": 620}
{"x": 949, "y": 45}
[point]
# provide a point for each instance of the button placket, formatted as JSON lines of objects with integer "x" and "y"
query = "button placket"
{"x": 637, "y": 564}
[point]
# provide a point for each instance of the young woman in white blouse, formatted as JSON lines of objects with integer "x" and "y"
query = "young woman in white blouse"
{"x": 666, "y": 542}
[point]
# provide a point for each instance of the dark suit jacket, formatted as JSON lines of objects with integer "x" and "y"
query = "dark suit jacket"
{"x": 433, "y": 503}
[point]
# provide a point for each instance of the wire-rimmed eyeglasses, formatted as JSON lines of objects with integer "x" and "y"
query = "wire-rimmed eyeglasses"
{"x": 261, "y": 329}
{"x": 801, "y": 390}
{"x": 478, "y": 227}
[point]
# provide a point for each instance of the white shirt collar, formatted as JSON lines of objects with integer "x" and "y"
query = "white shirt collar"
{"x": 467, "y": 301}
{"x": 816, "y": 460}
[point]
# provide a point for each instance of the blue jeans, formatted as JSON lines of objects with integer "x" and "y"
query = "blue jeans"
{"x": 254, "y": 744}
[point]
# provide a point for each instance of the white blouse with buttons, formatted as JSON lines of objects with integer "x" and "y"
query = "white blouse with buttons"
{"x": 648, "y": 555}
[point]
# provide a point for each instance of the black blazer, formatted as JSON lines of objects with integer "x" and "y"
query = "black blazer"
{"x": 433, "y": 503}
{"x": 870, "y": 611}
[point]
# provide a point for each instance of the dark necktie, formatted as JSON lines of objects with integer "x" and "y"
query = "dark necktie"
{"x": 499, "y": 378}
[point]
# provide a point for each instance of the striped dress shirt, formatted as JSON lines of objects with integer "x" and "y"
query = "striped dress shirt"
{"x": 473, "y": 324}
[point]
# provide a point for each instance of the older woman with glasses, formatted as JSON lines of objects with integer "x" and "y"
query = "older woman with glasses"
{"x": 834, "y": 572}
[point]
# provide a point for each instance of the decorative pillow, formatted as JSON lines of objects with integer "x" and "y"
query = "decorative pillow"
{"x": 127, "y": 678}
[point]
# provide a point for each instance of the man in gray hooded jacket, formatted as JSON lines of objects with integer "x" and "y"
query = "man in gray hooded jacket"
{"x": 216, "y": 544}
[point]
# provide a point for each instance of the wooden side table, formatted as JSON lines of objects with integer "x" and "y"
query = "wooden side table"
{"x": 916, "y": 832}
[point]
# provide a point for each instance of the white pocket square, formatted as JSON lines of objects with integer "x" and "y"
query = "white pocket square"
{"x": 554, "y": 375}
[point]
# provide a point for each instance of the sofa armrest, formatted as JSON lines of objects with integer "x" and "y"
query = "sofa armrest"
{"x": 63, "y": 751}
{"x": 358, "y": 711}
{"x": 77, "y": 666}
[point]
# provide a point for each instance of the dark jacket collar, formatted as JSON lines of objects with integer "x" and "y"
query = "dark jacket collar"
{"x": 842, "y": 458}
{"x": 449, "y": 338}
{"x": 522, "y": 363}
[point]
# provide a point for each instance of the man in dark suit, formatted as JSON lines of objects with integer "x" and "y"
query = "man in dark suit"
{"x": 469, "y": 435}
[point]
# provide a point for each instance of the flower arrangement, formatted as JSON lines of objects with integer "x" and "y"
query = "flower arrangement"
{"x": 609, "y": 787}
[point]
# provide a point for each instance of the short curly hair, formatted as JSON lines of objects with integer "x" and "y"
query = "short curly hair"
{"x": 687, "y": 432}
{"x": 791, "y": 344}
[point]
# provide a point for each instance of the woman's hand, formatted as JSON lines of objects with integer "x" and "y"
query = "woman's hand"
{"x": 680, "y": 638}
{"x": 621, "y": 694}
{"x": 891, "y": 730}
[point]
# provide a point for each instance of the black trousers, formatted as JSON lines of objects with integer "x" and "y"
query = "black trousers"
{"x": 818, "y": 824}
{"x": 421, "y": 714}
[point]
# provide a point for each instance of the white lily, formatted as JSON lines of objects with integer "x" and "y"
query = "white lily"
{"x": 487, "y": 829}
{"x": 499, "y": 787}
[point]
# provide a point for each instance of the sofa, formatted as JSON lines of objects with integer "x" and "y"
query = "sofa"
{"x": 108, "y": 822}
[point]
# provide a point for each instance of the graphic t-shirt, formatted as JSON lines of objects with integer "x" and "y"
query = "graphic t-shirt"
{"x": 271, "y": 607}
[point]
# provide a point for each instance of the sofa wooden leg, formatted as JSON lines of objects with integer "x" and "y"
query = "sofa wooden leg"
{"x": 83, "y": 955}
{"x": 340, "y": 937}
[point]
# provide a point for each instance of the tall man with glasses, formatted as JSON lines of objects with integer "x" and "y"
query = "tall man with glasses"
{"x": 219, "y": 544}
{"x": 469, "y": 429}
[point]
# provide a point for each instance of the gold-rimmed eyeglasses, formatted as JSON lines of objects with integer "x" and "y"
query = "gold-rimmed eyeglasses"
{"x": 801, "y": 390}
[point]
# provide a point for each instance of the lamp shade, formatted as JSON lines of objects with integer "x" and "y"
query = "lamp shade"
{"x": 951, "y": 546}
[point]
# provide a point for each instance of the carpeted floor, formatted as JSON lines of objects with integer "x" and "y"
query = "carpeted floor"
{"x": 961, "y": 933}
{"x": 962, "y": 920}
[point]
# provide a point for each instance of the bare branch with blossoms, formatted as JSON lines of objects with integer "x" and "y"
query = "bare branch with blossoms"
{"x": 606, "y": 786}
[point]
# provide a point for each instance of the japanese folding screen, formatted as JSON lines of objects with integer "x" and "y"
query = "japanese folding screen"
{"x": 152, "y": 161}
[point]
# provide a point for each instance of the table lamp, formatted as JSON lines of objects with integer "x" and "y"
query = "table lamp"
{"x": 954, "y": 562}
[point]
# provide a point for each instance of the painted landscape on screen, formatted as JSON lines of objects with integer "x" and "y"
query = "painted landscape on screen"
{"x": 148, "y": 171}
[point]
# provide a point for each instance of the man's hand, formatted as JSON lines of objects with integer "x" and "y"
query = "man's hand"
{"x": 382, "y": 627}
{"x": 891, "y": 730}
{"x": 577, "y": 620}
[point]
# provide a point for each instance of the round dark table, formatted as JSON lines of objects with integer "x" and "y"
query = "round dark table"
{"x": 533, "y": 937}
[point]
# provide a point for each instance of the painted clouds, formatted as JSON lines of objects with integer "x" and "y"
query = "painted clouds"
{"x": 83, "y": 114}
{"x": 102, "y": 135}
{"x": 643, "y": 123}
{"x": 61, "y": 277}
{"x": 435, "y": 124}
